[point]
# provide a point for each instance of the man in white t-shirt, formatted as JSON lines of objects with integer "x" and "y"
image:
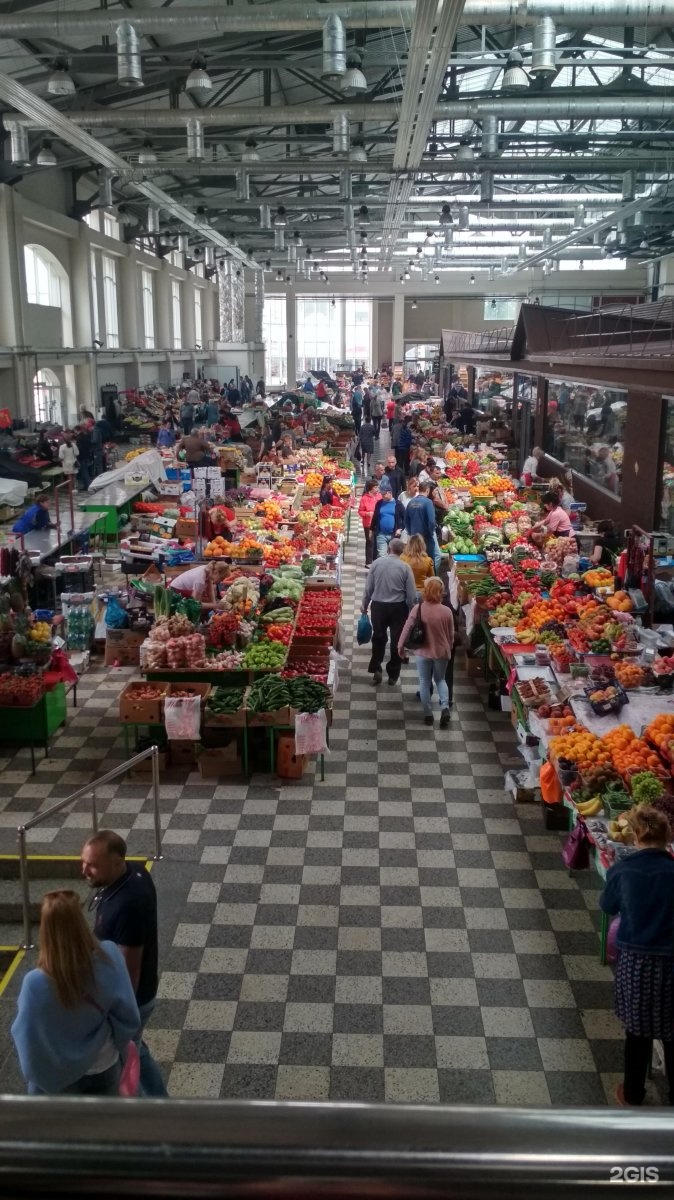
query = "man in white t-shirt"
{"x": 530, "y": 468}
{"x": 68, "y": 455}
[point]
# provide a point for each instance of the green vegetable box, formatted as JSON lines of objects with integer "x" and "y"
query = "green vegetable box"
{"x": 226, "y": 707}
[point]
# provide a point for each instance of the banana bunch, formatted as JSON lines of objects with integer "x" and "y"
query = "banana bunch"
{"x": 590, "y": 808}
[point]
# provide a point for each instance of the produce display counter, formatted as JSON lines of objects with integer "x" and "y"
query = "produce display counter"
{"x": 47, "y": 543}
{"x": 34, "y": 725}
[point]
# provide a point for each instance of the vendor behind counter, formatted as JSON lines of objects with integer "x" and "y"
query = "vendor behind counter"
{"x": 201, "y": 583}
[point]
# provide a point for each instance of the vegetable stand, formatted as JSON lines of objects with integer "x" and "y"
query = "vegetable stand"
{"x": 34, "y": 725}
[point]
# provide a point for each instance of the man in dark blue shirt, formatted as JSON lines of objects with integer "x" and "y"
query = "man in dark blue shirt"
{"x": 420, "y": 518}
{"x": 35, "y": 518}
{"x": 126, "y": 913}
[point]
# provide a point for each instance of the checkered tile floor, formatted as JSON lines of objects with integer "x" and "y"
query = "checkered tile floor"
{"x": 400, "y": 932}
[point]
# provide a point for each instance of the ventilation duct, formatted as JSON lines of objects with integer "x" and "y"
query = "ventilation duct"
{"x": 579, "y": 216}
{"x": 279, "y": 238}
{"x": 19, "y": 152}
{"x": 544, "y": 51}
{"x": 487, "y": 187}
{"x": 152, "y": 220}
{"x": 129, "y": 66}
{"x": 258, "y": 308}
{"x": 522, "y": 252}
{"x": 489, "y": 147}
{"x": 547, "y": 237}
{"x": 265, "y": 216}
{"x": 345, "y": 184}
{"x": 292, "y": 253}
{"x": 492, "y": 274}
{"x": 209, "y": 257}
{"x": 629, "y": 185}
{"x": 464, "y": 217}
{"x": 340, "y": 134}
{"x": 449, "y": 235}
{"x": 183, "y": 243}
{"x": 195, "y": 140}
{"x": 105, "y": 190}
{"x": 334, "y": 48}
{"x": 242, "y": 186}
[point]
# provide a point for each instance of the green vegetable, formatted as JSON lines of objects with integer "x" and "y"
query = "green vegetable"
{"x": 268, "y": 694}
{"x": 308, "y": 566}
{"x": 307, "y": 694}
{"x": 226, "y": 700}
{"x": 646, "y": 787}
{"x": 265, "y": 656}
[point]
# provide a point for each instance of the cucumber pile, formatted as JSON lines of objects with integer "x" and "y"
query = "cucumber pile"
{"x": 226, "y": 700}
{"x": 302, "y": 693}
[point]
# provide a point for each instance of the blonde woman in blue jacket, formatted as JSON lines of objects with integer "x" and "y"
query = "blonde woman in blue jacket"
{"x": 76, "y": 1010}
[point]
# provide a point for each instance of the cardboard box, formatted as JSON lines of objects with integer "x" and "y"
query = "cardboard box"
{"x": 475, "y": 666}
{"x": 186, "y": 528}
{"x": 144, "y": 769}
{"x": 220, "y": 760}
{"x": 138, "y": 711}
{"x": 122, "y": 647}
{"x": 182, "y": 754}
{"x": 280, "y": 717}
{"x": 194, "y": 689}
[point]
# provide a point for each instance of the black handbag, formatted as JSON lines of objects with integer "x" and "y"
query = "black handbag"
{"x": 417, "y": 634}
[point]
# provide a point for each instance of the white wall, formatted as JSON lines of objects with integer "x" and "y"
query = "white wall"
{"x": 31, "y": 336}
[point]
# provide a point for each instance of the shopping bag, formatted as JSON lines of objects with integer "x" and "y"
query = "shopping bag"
{"x": 129, "y": 1080}
{"x": 182, "y": 718}
{"x": 576, "y": 849}
{"x": 551, "y": 788}
{"x": 310, "y": 733}
{"x": 364, "y": 630}
{"x": 417, "y": 634}
{"x": 612, "y": 940}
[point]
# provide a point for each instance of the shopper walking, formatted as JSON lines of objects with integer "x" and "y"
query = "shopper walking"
{"x": 420, "y": 518}
{"x": 420, "y": 562}
{"x": 366, "y": 441}
{"x": 126, "y": 914}
{"x": 433, "y": 655}
{"x": 366, "y": 509}
{"x": 357, "y": 408}
{"x": 377, "y": 410}
{"x": 396, "y": 477}
{"x": 388, "y": 518}
{"x": 404, "y": 446}
{"x": 390, "y": 410}
{"x": 640, "y": 887}
{"x": 76, "y": 1010}
{"x": 187, "y": 416}
{"x": 444, "y": 574}
{"x": 389, "y": 594}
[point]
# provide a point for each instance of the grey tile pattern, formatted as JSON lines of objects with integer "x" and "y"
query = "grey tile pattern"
{"x": 400, "y": 932}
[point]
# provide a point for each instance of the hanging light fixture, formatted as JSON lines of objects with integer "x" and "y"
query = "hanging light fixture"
{"x": 354, "y": 81}
{"x": 198, "y": 79}
{"x": 446, "y": 217}
{"x": 46, "y": 156}
{"x": 436, "y": 278}
{"x": 280, "y": 217}
{"x": 250, "y": 154}
{"x": 406, "y": 273}
{"x": 358, "y": 152}
{"x": 464, "y": 152}
{"x": 472, "y": 279}
{"x": 279, "y": 276}
{"x": 60, "y": 83}
{"x": 203, "y": 215}
{"x": 146, "y": 154}
{"x": 414, "y": 304}
{"x": 515, "y": 77}
{"x": 363, "y": 215}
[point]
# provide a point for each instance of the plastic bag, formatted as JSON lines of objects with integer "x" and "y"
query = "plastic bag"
{"x": 61, "y": 663}
{"x": 310, "y": 733}
{"x": 551, "y": 788}
{"x": 576, "y": 849}
{"x": 182, "y": 718}
{"x": 364, "y": 630}
{"x": 612, "y": 940}
{"x": 115, "y": 616}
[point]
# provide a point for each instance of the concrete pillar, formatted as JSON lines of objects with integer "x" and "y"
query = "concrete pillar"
{"x": 189, "y": 337}
{"x": 13, "y": 290}
{"x": 163, "y": 308}
{"x": 131, "y": 330}
{"x": 291, "y": 338}
{"x": 399, "y": 328}
{"x": 374, "y": 363}
{"x": 86, "y": 385}
{"x": 80, "y": 259}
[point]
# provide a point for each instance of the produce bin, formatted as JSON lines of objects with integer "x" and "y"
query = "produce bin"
{"x": 139, "y": 711}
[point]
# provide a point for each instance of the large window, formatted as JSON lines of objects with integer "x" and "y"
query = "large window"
{"x": 47, "y": 398}
{"x": 357, "y": 332}
{"x": 147, "y": 292}
{"x": 176, "y": 311}
{"x": 498, "y": 309}
{"x": 109, "y": 275}
{"x": 493, "y": 390}
{"x": 584, "y": 428}
{"x": 110, "y": 226}
{"x": 319, "y": 340}
{"x": 198, "y": 320}
{"x": 275, "y": 335}
{"x": 420, "y": 356}
{"x": 95, "y": 314}
{"x": 43, "y": 285}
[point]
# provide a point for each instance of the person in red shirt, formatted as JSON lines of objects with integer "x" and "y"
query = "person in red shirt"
{"x": 368, "y": 500}
{"x": 390, "y": 410}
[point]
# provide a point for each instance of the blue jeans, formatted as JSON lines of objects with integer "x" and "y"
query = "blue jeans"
{"x": 383, "y": 540}
{"x": 432, "y": 669}
{"x": 103, "y": 1083}
{"x": 151, "y": 1081}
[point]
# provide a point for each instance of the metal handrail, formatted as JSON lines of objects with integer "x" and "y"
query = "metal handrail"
{"x": 89, "y": 789}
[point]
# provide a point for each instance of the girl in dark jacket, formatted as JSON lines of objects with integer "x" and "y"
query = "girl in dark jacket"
{"x": 640, "y": 887}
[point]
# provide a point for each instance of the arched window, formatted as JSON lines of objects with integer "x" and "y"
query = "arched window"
{"x": 47, "y": 283}
{"x": 47, "y": 398}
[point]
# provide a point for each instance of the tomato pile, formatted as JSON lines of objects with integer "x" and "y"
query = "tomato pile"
{"x": 222, "y": 629}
